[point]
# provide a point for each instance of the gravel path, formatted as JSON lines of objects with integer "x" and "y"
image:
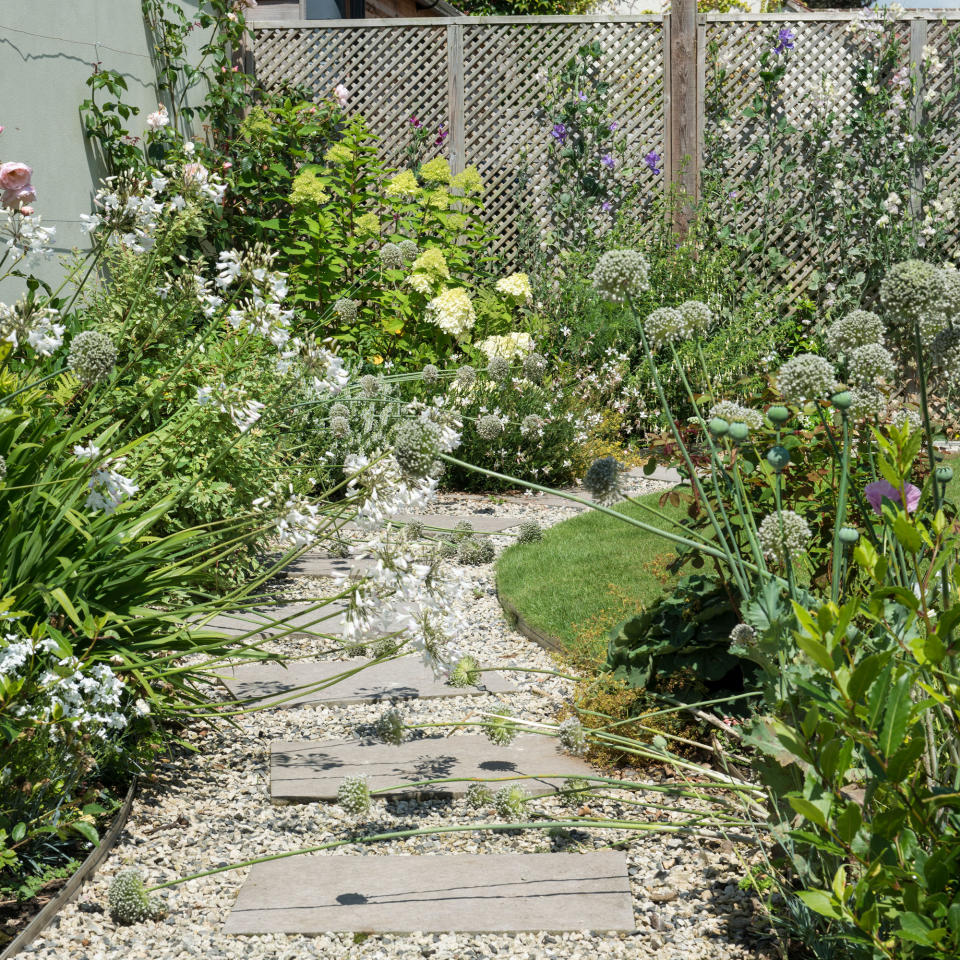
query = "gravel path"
{"x": 213, "y": 808}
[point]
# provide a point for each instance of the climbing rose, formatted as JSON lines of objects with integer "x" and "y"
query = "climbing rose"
{"x": 14, "y": 175}
{"x": 342, "y": 94}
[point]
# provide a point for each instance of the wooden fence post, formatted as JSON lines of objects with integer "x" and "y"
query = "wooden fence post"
{"x": 682, "y": 125}
{"x": 455, "y": 96}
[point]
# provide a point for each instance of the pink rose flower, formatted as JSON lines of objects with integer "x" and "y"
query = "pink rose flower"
{"x": 342, "y": 94}
{"x": 14, "y": 175}
{"x": 15, "y": 199}
{"x": 881, "y": 490}
{"x": 27, "y": 211}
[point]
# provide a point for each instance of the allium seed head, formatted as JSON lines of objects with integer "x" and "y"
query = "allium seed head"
{"x": 855, "y": 329}
{"x": 479, "y": 795}
{"x": 466, "y": 377}
{"x": 572, "y": 736}
{"x": 415, "y": 447}
{"x": 511, "y": 802}
{"x": 389, "y": 726}
{"x": 466, "y": 673}
{"x": 489, "y": 426}
{"x": 408, "y": 250}
{"x": 340, "y": 427}
{"x": 530, "y": 532}
{"x": 603, "y": 480}
{"x": 531, "y": 424}
{"x": 784, "y": 535}
{"x": 353, "y": 796}
{"x": 430, "y": 373}
{"x": 501, "y": 728}
{"x": 869, "y": 363}
{"x": 92, "y": 356}
{"x": 369, "y": 385}
{"x": 664, "y": 325}
{"x": 911, "y": 291}
{"x": 498, "y": 369}
{"x": 534, "y": 367}
{"x": 129, "y": 901}
{"x": 346, "y": 309}
{"x": 697, "y": 316}
{"x": 620, "y": 274}
{"x": 806, "y": 377}
{"x": 475, "y": 553}
{"x": 391, "y": 257}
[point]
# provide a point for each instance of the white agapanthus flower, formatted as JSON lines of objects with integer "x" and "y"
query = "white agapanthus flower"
{"x": 108, "y": 487}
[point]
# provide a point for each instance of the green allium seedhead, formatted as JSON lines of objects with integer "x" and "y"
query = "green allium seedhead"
{"x": 869, "y": 363}
{"x": 856, "y": 329}
{"x": 369, "y": 385}
{"x": 501, "y": 728}
{"x": 664, "y": 325}
{"x": 466, "y": 377}
{"x": 339, "y": 410}
{"x": 92, "y": 356}
{"x": 339, "y": 549}
{"x": 475, "y": 552}
{"x": 391, "y": 256}
{"x": 531, "y": 424}
{"x": 806, "y": 377}
{"x": 498, "y": 369}
{"x": 448, "y": 549}
{"x": 346, "y": 309}
{"x": 466, "y": 673}
{"x": 911, "y": 292}
{"x": 603, "y": 478}
{"x": 408, "y": 250}
{"x": 572, "y": 736}
{"x": 784, "y": 535}
{"x": 489, "y": 426}
{"x": 511, "y": 802}
{"x": 389, "y": 726}
{"x": 430, "y": 373}
{"x": 415, "y": 530}
{"x": 945, "y": 354}
{"x": 385, "y": 647}
{"x": 697, "y": 316}
{"x": 534, "y": 367}
{"x": 620, "y": 274}
{"x": 479, "y": 795}
{"x": 743, "y": 634}
{"x": 462, "y": 530}
{"x": 354, "y": 795}
{"x": 415, "y": 447}
{"x": 129, "y": 901}
{"x": 950, "y": 299}
{"x": 574, "y": 789}
{"x": 530, "y": 532}
{"x": 340, "y": 427}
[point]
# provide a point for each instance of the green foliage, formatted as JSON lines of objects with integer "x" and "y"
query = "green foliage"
{"x": 686, "y": 633}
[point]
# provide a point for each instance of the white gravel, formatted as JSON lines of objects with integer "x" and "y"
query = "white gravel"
{"x": 213, "y": 808}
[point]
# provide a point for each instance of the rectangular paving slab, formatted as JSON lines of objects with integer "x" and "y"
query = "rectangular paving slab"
{"x": 403, "y": 678}
{"x": 481, "y": 522}
{"x": 298, "y": 619}
{"x": 311, "y": 565}
{"x": 313, "y": 770}
{"x": 469, "y": 893}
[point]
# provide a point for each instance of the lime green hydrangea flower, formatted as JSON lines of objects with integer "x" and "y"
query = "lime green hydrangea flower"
{"x": 338, "y": 154}
{"x": 436, "y": 170}
{"x": 368, "y": 223}
{"x": 404, "y": 184}
{"x": 452, "y": 311}
{"x": 308, "y": 187}
{"x": 438, "y": 199}
{"x": 421, "y": 282}
{"x": 468, "y": 181}
{"x": 517, "y": 287}
{"x": 432, "y": 261}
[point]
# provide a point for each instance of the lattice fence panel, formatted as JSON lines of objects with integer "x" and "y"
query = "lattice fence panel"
{"x": 392, "y": 72}
{"x": 506, "y": 69}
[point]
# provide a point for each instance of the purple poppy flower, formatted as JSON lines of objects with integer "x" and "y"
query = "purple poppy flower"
{"x": 559, "y": 133}
{"x": 608, "y": 161}
{"x": 653, "y": 161}
{"x": 881, "y": 490}
{"x": 785, "y": 40}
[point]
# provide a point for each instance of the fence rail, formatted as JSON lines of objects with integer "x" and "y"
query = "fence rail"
{"x": 481, "y": 78}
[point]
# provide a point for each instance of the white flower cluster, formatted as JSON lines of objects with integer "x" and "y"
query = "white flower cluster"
{"x": 25, "y": 322}
{"x": 233, "y": 401}
{"x": 517, "y": 286}
{"x": 108, "y": 487}
{"x": 734, "y": 412}
{"x": 452, "y": 311}
{"x": 784, "y": 535}
{"x": 509, "y": 345}
{"x": 128, "y": 209}
{"x": 299, "y": 523}
{"x": 25, "y": 239}
{"x": 70, "y": 694}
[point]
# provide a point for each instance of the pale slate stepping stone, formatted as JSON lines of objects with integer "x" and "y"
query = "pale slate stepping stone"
{"x": 299, "y": 619}
{"x": 314, "y": 770}
{"x": 403, "y": 679}
{"x": 481, "y": 522}
{"x": 312, "y": 565}
{"x": 664, "y": 474}
{"x": 467, "y": 893}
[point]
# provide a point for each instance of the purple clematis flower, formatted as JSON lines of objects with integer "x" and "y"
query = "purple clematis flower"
{"x": 613, "y": 125}
{"x": 785, "y": 40}
{"x": 416, "y": 122}
{"x": 881, "y": 490}
{"x": 559, "y": 133}
{"x": 653, "y": 161}
{"x": 441, "y": 136}
{"x": 581, "y": 96}
{"x": 606, "y": 206}
{"x": 608, "y": 161}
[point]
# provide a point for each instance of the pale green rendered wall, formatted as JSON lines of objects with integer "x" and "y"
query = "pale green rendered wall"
{"x": 47, "y": 52}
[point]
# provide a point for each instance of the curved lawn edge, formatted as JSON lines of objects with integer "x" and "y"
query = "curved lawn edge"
{"x": 587, "y": 574}
{"x": 83, "y": 873}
